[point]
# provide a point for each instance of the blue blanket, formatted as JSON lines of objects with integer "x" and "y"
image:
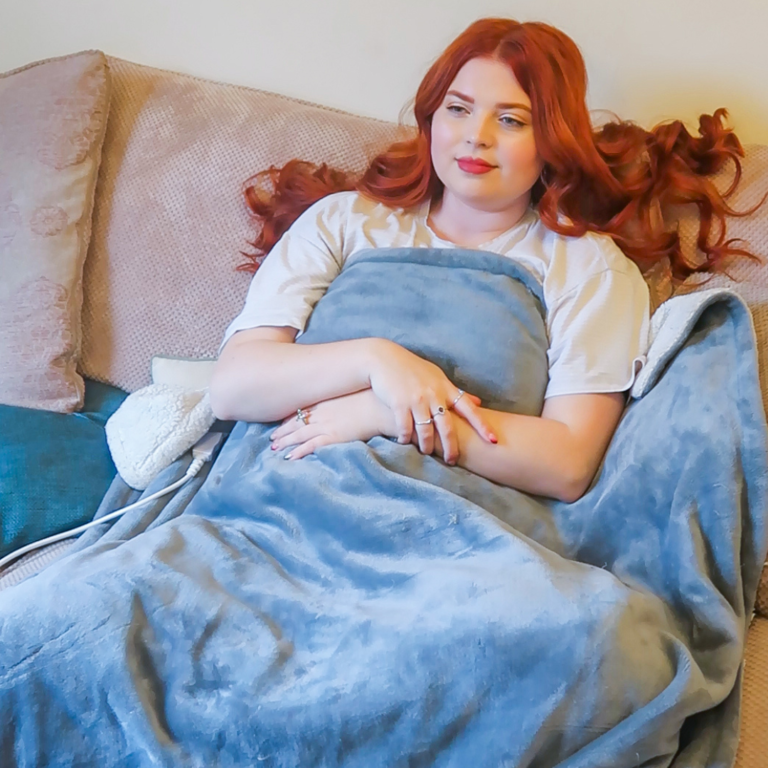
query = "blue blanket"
{"x": 370, "y": 606}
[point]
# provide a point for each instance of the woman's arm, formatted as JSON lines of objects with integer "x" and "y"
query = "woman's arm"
{"x": 261, "y": 375}
{"x": 554, "y": 455}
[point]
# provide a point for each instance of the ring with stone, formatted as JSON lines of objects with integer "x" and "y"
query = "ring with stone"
{"x": 302, "y": 415}
{"x": 440, "y": 411}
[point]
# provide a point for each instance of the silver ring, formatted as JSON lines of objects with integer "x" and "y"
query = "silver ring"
{"x": 302, "y": 415}
{"x": 439, "y": 412}
{"x": 458, "y": 397}
{"x": 422, "y": 423}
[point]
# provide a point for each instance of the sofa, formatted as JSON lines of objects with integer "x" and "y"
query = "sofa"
{"x": 122, "y": 228}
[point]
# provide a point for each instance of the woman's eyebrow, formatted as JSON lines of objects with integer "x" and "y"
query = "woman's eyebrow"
{"x": 470, "y": 100}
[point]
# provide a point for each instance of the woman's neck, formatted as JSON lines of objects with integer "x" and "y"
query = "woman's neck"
{"x": 453, "y": 220}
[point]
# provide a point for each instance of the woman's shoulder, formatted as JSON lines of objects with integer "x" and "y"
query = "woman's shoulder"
{"x": 588, "y": 254}
{"x": 575, "y": 264}
{"x": 332, "y": 204}
{"x": 329, "y": 214}
{"x": 340, "y": 207}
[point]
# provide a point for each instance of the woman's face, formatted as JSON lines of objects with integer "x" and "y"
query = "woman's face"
{"x": 483, "y": 147}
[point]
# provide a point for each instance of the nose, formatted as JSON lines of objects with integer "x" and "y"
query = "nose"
{"x": 480, "y": 131}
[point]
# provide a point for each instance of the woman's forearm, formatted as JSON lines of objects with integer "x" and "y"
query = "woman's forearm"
{"x": 266, "y": 380}
{"x": 534, "y": 454}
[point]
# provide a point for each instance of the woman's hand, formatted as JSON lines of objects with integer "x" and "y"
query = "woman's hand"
{"x": 420, "y": 396}
{"x": 359, "y": 416}
{"x": 461, "y": 432}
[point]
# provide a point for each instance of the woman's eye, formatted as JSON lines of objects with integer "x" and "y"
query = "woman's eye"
{"x": 511, "y": 122}
{"x": 456, "y": 109}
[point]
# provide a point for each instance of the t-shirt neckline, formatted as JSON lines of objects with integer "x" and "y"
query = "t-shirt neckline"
{"x": 423, "y": 214}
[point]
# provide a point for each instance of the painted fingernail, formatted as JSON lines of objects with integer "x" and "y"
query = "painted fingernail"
{"x": 494, "y": 439}
{"x": 287, "y": 456}
{"x": 274, "y": 447}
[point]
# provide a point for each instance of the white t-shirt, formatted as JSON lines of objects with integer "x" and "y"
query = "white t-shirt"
{"x": 597, "y": 302}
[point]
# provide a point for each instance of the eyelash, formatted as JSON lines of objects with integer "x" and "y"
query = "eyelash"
{"x": 513, "y": 121}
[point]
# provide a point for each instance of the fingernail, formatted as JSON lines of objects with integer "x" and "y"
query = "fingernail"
{"x": 287, "y": 456}
{"x": 274, "y": 447}
{"x": 272, "y": 436}
{"x": 494, "y": 439}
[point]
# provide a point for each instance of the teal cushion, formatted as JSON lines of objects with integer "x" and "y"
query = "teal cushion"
{"x": 54, "y": 468}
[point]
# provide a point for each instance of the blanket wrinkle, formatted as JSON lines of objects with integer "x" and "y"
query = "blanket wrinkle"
{"x": 143, "y": 663}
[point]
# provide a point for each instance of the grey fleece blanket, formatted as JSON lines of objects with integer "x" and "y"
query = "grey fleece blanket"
{"x": 370, "y": 606}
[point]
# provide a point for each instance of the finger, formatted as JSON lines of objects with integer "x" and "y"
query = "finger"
{"x": 403, "y": 425}
{"x": 291, "y": 424}
{"x": 296, "y": 437}
{"x": 448, "y": 438}
{"x": 305, "y": 449}
{"x": 470, "y": 412}
{"x": 425, "y": 431}
{"x": 283, "y": 430}
{"x": 464, "y": 396}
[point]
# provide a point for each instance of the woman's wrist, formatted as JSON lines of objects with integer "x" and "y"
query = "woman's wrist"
{"x": 382, "y": 416}
{"x": 375, "y": 351}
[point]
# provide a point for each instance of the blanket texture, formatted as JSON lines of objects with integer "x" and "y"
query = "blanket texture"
{"x": 370, "y": 606}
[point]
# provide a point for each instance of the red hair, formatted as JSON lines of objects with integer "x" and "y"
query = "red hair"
{"x": 615, "y": 179}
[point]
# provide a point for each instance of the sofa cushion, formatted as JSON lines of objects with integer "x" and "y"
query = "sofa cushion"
{"x": 170, "y": 222}
{"x": 54, "y": 468}
{"x": 753, "y": 742}
{"x": 52, "y": 119}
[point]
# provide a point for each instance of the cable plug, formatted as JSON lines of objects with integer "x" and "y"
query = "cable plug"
{"x": 206, "y": 446}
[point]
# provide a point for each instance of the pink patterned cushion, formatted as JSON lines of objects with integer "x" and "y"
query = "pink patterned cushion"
{"x": 52, "y": 119}
{"x": 170, "y": 223}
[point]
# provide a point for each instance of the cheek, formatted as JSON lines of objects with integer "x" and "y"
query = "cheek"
{"x": 522, "y": 159}
{"x": 442, "y": 142}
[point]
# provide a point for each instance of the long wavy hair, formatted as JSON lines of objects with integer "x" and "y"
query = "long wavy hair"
{"x": 616, "y": 179}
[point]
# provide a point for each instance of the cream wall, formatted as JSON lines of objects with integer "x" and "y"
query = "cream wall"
{"x": 647, "y": 60}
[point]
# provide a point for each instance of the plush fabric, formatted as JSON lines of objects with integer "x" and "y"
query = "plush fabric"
{"x": 54, "y": 468}
{"x": 153, "y": 427}
{"x": 52, "y": 120}
{"x": 170, "y": 222}
{"x": 190, "y": 375}
{"x": 369, "y": 605}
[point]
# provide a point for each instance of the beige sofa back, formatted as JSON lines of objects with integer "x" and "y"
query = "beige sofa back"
{"x": 169, "y": 221}
{"x": 170, "y": 224}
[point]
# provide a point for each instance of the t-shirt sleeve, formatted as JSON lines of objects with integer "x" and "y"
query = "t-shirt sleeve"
{"x": 599, "y": 334}
{"x": 296, "y": 273}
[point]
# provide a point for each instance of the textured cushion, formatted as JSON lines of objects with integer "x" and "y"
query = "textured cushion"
{"x": 170, "y": 222}
{"x": 153, "y": 427}
{"x": 54, "y": 468}
{"x": 761, "y": 602}
{"x": 753, "y": 742}
{"x": 52, "y": 119}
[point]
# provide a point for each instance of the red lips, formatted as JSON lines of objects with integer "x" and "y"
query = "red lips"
{"x": 474, "y": 165}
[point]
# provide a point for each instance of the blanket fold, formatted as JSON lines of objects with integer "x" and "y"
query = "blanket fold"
{"x": 371, "y": 606}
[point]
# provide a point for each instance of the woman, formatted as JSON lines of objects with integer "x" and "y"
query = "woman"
{"x": 505, "y": 161}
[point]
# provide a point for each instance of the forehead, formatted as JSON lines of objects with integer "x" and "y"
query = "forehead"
{"x": 489, "y": 80}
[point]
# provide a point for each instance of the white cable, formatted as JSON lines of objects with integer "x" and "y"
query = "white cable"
{"x": 193, "y": 469}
